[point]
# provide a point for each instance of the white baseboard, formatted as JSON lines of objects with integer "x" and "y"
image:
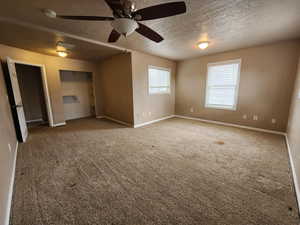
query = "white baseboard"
{"x": 114, "y": 120}
{"x": 232, "y": 125}
{"x": 35, "y": 120}
{"x": 11, "y": 187}
{"x": 59, "y": 124}
{"x": 194, "y": 118}
{"x": 130, "y": 125}
{"x": 79, "y": 117}
{"x": 295, "y": 178}
{"x": 153, "y": 121}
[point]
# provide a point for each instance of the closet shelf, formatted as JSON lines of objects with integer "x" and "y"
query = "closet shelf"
{"x": 69, "y": 99}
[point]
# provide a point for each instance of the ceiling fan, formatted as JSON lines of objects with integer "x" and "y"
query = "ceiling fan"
{"x": 126, "y": 18}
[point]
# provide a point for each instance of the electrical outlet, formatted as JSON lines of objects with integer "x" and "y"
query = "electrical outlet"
{"x": 245, "y": 117}
{"x": 9, "y": 147}
{"x": 191, "y": 109}
{"x": 255, "y": 117}
{"x": 274, "y": 121}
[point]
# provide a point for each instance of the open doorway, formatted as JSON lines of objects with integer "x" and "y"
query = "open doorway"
{"x": 28, "y": 95}
{"x": 32, "y": 94}
{"x": 78, "y": 94}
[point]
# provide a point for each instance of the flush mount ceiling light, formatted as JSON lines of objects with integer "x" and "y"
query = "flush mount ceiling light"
{"x": 62, "y": 53}
{"x": 62, "y": 48}
{"x": 203, "y": 44}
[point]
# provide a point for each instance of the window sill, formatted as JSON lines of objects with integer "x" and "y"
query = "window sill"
{"x": 221, "y": 107}
{"x": 164, "y": 93}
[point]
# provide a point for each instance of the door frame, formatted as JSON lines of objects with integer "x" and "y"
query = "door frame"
{"x": 45, "y": 88}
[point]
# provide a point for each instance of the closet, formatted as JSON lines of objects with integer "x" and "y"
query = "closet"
{"x": 78, "y": 94}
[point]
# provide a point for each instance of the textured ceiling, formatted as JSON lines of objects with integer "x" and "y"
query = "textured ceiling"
{"x": 44, "y": 42}
{"x": 227, "y": 24}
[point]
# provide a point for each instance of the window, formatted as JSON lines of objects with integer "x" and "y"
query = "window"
{"x": 159, "y": 80}
{"x": 222, "y": 84}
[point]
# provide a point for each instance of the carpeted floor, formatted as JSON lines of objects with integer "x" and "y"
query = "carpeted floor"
{"x": 177, "y": 171}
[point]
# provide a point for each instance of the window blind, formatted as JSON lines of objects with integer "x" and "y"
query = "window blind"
{"x": 222, "y": 85}
{"x": 159, "y": 80}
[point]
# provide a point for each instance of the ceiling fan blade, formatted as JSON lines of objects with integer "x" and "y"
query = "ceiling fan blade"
{"x": 91, "y": 18}
{"x": 114, "y": 36}
{"x": 149, "y": 33}
{"x": 160, "y": 11}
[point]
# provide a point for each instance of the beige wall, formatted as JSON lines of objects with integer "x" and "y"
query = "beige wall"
{"x": 267, "y": 75}
{"x": 124, "y": 84}
{"x": 53, "y": 65}
{"x": 293, "y": 130}
{"x": 116, "y": 84}
{"x": 119, "y": 81}
{"x": 150, "y": 107}
{"x": 7, "y": 136}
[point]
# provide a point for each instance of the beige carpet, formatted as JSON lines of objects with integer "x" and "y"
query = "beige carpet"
{"x": 173, "y": 172}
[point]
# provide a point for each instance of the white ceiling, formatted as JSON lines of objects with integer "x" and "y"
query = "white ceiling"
{"x": 227, "y": 24}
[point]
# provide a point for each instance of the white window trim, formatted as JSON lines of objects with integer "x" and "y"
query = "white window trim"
{"x": 234, "y": 107}
{"x": 159, "y": 68}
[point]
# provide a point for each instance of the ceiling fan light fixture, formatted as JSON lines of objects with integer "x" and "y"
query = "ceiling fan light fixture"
{"x": 62, "y": 53}
{"x": 133, "y": 7}
{"x": 203, "y": 45}
{"x": 124, "y": 26}
{"x": 126, "y": 18}
{"x": 137, "y": 17}
{"x": 49, "y": 13}
{"x": 60, "y": 45}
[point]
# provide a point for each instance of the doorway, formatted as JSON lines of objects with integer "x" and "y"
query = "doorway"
{"x": 78, "y": 94}
{"x": 28, "y": 95}
{"x": 32, "y": 94}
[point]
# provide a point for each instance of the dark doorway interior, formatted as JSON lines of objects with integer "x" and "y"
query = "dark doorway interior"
{"x": 32, "y": 93}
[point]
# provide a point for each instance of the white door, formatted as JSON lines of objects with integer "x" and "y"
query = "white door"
{"x": 17, "y": 97}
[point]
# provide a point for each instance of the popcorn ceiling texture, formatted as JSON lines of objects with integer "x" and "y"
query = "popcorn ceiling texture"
{"x": 227, "y": 24}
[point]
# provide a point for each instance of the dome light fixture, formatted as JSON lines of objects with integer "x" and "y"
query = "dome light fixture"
{"x": 62, "y": 53}
{"x": 124, "y": 26}
{"x": 62, "y": 48}
{"x": 50, "y": 13}
{"x": 203, "y": 45}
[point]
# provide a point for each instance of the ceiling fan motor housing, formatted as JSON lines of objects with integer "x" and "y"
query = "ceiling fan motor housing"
{"x": 124, "y": 26}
